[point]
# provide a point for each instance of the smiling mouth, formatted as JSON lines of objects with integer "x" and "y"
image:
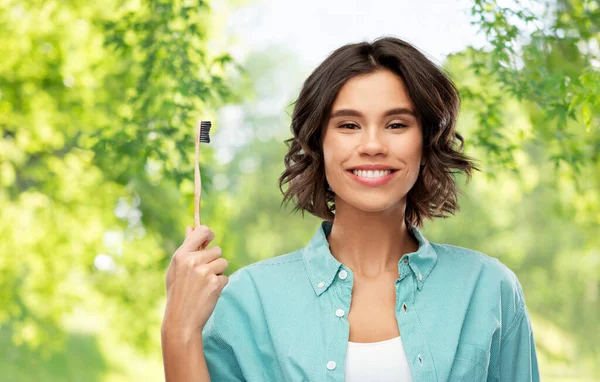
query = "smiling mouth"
{"x": 381, "y": 173}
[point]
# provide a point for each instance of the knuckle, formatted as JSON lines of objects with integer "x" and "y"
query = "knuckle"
{"x": 203, "y": 271}
{"x": 176, "y": 257}
{"x": 179, "y": 260}
{"x": 190, "y": 262}
{"x": 214, "y": 281}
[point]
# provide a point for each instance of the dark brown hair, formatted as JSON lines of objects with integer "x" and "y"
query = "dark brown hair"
{"x": 437, "y": 102}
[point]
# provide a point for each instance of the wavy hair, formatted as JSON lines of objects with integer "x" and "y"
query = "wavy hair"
{"x": 437, "y": 102}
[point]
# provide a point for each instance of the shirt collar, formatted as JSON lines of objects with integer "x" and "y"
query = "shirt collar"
{"x": 322, "y": 266}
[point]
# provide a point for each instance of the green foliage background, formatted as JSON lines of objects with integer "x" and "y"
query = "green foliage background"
{"x": 97, "y": 107}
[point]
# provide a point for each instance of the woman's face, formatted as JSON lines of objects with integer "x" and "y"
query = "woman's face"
{"x": 360, "y": 131}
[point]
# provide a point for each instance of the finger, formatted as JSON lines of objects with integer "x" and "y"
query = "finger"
{"x": 200, "y": 237}
{"x": 188, "y": 229}
{"x": 223, "y": 279}
{"x": 218, "y": 266}
{"x": 207, "y": 255}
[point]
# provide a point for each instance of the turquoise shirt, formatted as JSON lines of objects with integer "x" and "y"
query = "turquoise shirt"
{"x": 461, "y": 315}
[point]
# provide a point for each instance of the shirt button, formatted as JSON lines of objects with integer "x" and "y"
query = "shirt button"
{"x": 420, "y": 277}
{"x": 406, "y": 261}
{"x": 339, "y": 313}
{"x": 331, "y": 365}
{"x": 321, "y": 284}
{"x": 343, "y": 274}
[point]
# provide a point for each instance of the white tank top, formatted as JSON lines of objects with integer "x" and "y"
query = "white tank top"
{"x": 383, "y": 361}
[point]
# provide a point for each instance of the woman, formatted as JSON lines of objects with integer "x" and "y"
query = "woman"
{"x": 373, "y": 154}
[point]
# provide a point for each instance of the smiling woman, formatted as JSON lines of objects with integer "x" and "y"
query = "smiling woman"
{"x": 373, "y": 153}
{"x": 375, "y": 142}
{"x": 388, "y": 85}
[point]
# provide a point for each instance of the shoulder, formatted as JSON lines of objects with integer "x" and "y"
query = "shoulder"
{"x": 490, "y": 267}
{"x": 266, "y": 270}
{"x": 488, "y": 272}
{"x": 248, "y": 282}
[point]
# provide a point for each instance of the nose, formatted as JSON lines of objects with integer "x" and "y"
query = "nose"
{"x": 372, "y": 142}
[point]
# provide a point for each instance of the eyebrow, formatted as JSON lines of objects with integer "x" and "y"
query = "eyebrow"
{"x": 356, "y": 113}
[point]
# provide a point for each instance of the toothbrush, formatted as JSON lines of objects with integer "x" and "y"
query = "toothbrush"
{"x": 202, "y": 135}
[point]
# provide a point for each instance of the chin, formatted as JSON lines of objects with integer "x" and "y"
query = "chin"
{"x": 372, "y": 205}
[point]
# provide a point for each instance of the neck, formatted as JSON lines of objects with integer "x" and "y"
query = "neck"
{"x": 370, "y": 244}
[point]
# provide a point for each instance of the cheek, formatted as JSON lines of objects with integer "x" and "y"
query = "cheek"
{"x": 334, "y": 151}
{"x": 328, "y": 159}
{"x": 410, "y": 147}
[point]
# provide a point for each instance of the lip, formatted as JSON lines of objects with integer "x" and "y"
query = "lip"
{"x": 372, "y": 181}
{"x": 372, "y": 167}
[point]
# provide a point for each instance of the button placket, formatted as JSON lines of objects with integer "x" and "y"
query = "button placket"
{"x": 413, "y": 338}
{"x": 405, "y": 289}
{"x": 340, "y": 299}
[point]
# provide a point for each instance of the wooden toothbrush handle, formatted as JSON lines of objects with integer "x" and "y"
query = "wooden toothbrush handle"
{"x": 197, "y": 180}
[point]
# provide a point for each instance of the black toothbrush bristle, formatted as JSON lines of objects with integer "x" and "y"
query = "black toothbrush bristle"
{"x": 204, "y": 131}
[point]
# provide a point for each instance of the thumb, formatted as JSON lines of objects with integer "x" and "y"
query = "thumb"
{"x": 187, "y": 231}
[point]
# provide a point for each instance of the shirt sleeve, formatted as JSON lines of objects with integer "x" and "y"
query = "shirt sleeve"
{"x": 219, "y": 355}
{"x": 221, "y": 334}
{"x": 518, "y": 359}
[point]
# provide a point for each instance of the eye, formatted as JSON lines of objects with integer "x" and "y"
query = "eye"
{"x": 351, "y": 126}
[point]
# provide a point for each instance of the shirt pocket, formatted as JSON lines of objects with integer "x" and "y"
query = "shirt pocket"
{"x": 470, "y": 364}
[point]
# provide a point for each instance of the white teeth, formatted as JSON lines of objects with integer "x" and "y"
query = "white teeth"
{"x": 371, "y": 174}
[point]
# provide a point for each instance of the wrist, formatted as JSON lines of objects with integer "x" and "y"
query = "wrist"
{"x": 180, "y": 335}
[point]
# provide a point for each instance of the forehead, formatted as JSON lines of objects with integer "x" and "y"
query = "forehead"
{"x": 373, "y": 92}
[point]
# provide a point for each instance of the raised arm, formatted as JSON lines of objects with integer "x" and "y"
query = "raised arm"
{"x": 194, "y": 283}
